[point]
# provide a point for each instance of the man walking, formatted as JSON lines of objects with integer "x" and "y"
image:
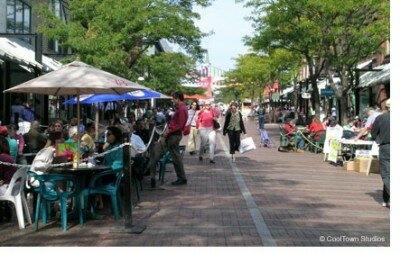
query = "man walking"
{"x": 381, "y": 134}
{"x": 170, "y": 142}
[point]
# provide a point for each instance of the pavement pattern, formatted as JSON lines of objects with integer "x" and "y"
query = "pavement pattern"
{"x": 266, "y": 198}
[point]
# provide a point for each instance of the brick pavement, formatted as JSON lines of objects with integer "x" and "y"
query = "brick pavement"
{"x": 295, "y": 199}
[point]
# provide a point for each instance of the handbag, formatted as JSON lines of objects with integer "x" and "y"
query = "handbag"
{"x": 186, "y": 129}
{"x": 246, "y": 145}
{"x": 216, "y": 124}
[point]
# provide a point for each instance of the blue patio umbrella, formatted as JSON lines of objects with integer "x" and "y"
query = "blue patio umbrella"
{"x": 99, "y": 98}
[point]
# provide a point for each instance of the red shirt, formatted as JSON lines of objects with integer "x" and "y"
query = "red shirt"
{"x": 288, "y": 128}
{"x": 205, "y": 118}
{"x": 178, "y": 121}
{"x": 315, "y": 127}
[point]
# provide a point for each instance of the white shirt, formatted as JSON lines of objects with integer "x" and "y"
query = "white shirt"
{"x": 138, "y": 145}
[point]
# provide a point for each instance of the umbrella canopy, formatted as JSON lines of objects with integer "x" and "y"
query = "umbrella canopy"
{"x": 76, "y": 78}
{"x": 134, "y": 95}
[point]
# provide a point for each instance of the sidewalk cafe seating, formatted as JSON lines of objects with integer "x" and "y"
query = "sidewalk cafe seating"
{"x": 318, "y": 141}
{"x": 165, "y": 159}
{"x": 284, "y": 139}
{"x": 96, "y": 186}
{"x": 50, "y": 191}
{"x": 15, "y": 194}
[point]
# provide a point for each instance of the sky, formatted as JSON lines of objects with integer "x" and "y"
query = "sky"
{"x": 226, "y": 19}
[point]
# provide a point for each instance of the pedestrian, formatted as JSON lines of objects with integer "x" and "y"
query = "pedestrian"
{"x": 17, "y": 111}
{"x": 261, "y": 116}
{"x": 192, "y": 138}
{"x": 170, "y": 142}
{"x": 234, "y": 126}
{"x": 205, "y": 124}
{"x": 381, "y": 134}
{"x": 372, "y": 115}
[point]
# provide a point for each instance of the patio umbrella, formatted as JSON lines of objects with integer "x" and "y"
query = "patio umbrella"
{"x": 77, "y": 78}
{"x": 133, "y": 95}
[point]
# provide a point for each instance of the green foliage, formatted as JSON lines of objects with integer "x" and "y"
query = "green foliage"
{"x": 116, "y": 35}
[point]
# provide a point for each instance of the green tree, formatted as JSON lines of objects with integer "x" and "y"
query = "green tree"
{"x": 116, "y": 35}
{"x": 250, "y": 70}
{"x": 332, "y": 36}
{"x": 288, "y": 24}
{"x": 352, "y": 32}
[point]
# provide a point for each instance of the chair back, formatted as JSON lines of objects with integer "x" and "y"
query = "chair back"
{"x": 17, "y": 183}
{"x": 49, "y": 187}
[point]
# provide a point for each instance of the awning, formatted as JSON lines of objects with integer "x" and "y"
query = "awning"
{"x": 22, "y": 53}
{"x": 372, "y": 78}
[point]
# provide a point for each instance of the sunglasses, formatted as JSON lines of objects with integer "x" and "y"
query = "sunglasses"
{"x": 109, "y": 133}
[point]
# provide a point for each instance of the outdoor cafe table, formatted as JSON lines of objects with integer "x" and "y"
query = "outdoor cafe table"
{"x": 83, "y": 174}
{"x": 354, "y": 145}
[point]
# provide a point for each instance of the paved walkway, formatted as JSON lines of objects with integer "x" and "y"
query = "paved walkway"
{"x": 267, "y": 198}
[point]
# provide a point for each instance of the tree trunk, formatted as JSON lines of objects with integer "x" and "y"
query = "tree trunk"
{"x": 315, "y": 95}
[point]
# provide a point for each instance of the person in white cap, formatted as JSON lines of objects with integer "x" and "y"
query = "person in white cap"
{"x": 381, "y": 134}
{"x": 372, "y": 114}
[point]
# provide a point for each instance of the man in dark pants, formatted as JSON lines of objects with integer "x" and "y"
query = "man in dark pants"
{"x": 170, "y": 142}
{"x": 381, "y": 134}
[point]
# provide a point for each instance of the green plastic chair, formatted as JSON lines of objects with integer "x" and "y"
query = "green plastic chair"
{"x": 283, "y": 139}
{"x": 319, "y": 143}
{"x": 165, "y": 159}
{"x": 49, "y": 192}
{"x": 96, "y": 186}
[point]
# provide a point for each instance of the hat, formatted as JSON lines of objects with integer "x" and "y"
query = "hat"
{"x": 3, "y": 130}
{"x": 388, "y": 103}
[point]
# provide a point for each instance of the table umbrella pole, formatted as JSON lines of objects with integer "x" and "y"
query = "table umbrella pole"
{"x": 78, "y": 103}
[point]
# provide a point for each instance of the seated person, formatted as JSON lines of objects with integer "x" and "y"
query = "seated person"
{"x": 114, "y": 139}
{"x": 138, "y": 145}
{"x": 12, "y": 143}
{"x": 6, "y": 174}
{"x": 349, "y": 129}
{"x": 290, "y": 129}
{"x": 315, "y": 128}
{"x": 87, "y": 144}
{"x": 6, "y": 171}
{"x": 372, "y": 114}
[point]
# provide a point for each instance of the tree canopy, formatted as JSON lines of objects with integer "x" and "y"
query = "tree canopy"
{"x": 117, "y": 36}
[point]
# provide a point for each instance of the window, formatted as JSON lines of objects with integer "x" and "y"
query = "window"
{"x": 18, "y": 17}
{"x": 59, "y": 10}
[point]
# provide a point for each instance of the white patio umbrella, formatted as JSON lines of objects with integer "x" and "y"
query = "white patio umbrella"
{"x": 77, "y": 78}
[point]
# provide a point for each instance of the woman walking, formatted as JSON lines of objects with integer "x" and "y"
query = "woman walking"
{"x": 234, "y": 127}
{"x": 193, "y": 130}
{"x": 205, "y": 124}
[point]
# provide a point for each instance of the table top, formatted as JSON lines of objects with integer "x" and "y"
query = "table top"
{"x": 355, "y": 142}
{"x": 99, "y": 167}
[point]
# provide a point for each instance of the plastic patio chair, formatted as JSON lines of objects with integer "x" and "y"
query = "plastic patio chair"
{"x": 112, "y": 189}
{"x": 319, "y": 143}
{"x": 284, "y": 139}
{"x": 15, "y": 194}
{"x": 49, "y": 191}
{"x": 165, "y": 159}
